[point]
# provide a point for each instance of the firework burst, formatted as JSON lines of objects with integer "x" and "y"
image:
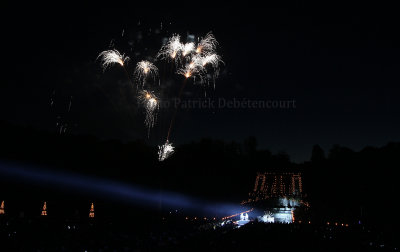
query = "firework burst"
{"x": 145, "y": 69}
{"x": 194, "y": 68}
{"x": 187, "y": 49}
{"x": 198, "y": 66}
{"x": 165, "y": 151}
{"x": 197, "y": 61}
{"x": 111, "y": 57}
{"x": 151, "y": 105}
{"x": 172, "y": 49}
{"x": 208, "y": 44}
{"x": 211, "y": 59}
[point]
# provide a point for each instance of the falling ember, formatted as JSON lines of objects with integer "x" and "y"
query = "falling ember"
{"x": 150, "y": 102}
{"x": 145, "y": 69}
{"x": 91, "y": 212}
{"x": 165, "y": 151}
{"x": 110, "y": 57}
{"x": 44, "y": 209}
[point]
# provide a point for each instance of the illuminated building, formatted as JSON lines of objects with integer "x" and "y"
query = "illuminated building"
{"x": 91, "y": 212}
{"x": 2, "y": 207}
{"x": 273, "y": 184}
{"x": 278, "y": 194}
{"x": 44, "y": 209}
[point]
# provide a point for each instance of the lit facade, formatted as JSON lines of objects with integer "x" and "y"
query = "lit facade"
{"x": 278, "y": 194}
{"x": 274, "y": 185}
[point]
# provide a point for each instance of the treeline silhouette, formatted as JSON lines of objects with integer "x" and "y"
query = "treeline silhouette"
{"x": 342, "y": 185}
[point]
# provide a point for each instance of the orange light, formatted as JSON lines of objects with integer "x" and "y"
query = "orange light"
{"x": 91, "y": 212}
{"x": 2, "y": 207}
{"x": 44, "y": 209}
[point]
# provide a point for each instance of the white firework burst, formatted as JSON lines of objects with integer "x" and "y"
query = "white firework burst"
{"x": 111, "y": 57}
{"x": 172, "y": 49}
{"x": 208, "y": 44}
{"x": 187, "y": 48}
{"x": 165, "y": 151}
{"x": 211, "y": 59}
{"x": 145, "y": 69}
{"x": 192, "y": 69}
{"x": 151, "y": 105}
{"x": 198, "y": 66}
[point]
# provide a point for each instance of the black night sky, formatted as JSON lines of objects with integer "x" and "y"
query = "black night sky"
{"x": 341, "y": 68}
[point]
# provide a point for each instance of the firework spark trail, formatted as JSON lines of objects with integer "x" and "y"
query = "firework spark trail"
{"x": 211, "y": 59}
{"x": 151, "y": 104}
{"x": 145, "y": 69}
{"x": 208, "y": 44}
{"x": 194, "y": 68}
{"x": 70, "y": 104}
{"x": 172, "y": 49}
{"x": 165, "y": 151}
{"x": 187, "y": 49}
{"x": 198, "y": 66}
{"x": 111, "y": 57}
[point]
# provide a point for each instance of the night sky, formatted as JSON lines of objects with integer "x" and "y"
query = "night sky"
{"x": 341, "y": 68}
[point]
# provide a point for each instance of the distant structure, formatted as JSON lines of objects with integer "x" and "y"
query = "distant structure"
{"x": 274, "y": 184}
{"x": 91, "y": 212}
{"x": 2, "y": 207}
{"x": 44, "y": 209}
{"x": 278, "y": 194}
